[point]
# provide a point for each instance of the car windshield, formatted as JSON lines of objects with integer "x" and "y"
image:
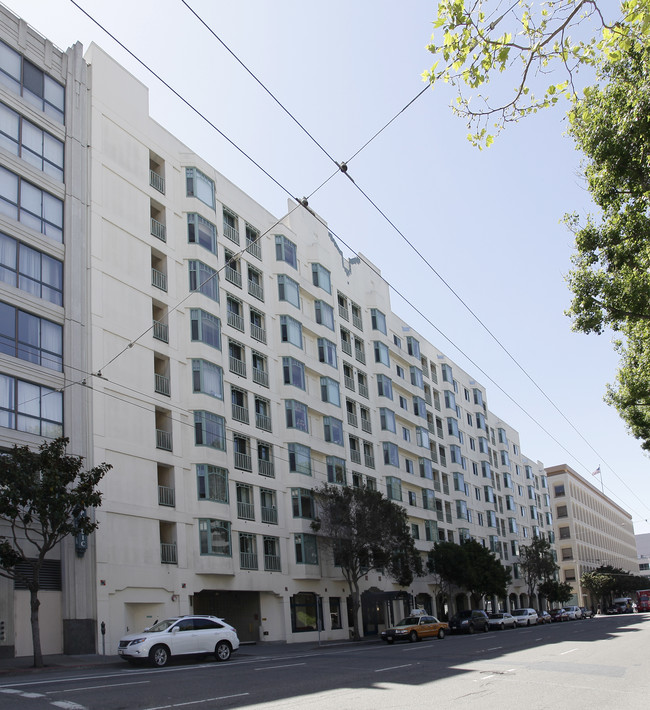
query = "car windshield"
{"x": 519, "y": 612}
{"x": 496, "y": 616}
{"x": 162, "y": 625}
{"x": 409, "y": 621}
{"x": 464, "y": 614}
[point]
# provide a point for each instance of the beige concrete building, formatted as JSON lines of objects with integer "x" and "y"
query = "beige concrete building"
{"x": 591, "y": 530}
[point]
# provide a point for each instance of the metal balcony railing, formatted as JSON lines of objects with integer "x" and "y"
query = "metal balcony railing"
{"x": 166, "y": 496}
{"x": 355, "y": 456}
{"x": 168, "y": 553}
{"x": 161, "y": 331}
{"x": 248, "y": 560}
{"x": 240, "y": 413}
{"x": 255, "y": 290}
{"x": 158, "y": 279}
{"x": 266, "y": 468}
{"x": 272, "y": 563}
{"x": 236, "y": 321}
{"x": 231, "y": 233}
{"x": 237, "y": 366}
{"x": 363, "y": 390}
{"x": 243, "y": 461}
{"x": 162, "y": 384}
{"x": 157, "y": 181}
{"x": 365, "y": 425}
{"x": 348, "y": 382}
{"x": 258, "y": 333}
{"x": 344, "y": 312}
{"x": 263, "y": 421}
{"x": 260, "y": 377}
{"x": 254, "y": 249}
{"x": 352, "y": 419}
{"x": 158, "y": 230}
{"x": 163, "y": 440}
{"x": 233, "y": 276}
{"x": 270, "y": 515}
{"x": 245, "y": 511}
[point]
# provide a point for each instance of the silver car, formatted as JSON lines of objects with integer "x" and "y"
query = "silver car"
{"x": 525, "y": 617}
{"x": 502, "y": 620}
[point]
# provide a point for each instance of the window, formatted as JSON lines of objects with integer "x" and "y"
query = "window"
{"x": 209, "y": 430}
{"x": 269, "y": 506}
{"x": 561, "y": 511}
{"x": 29, "y": 407}
{"x": 333, "y": 430}
{"x": 505, "y": 459}
{"x": 30, "y": 338}
{"x": 397, "y": 341}
{"x": 304, "y": 614}
{"x": 335, "y": 613}
{"x": 258, "y": 328}
{"x": 214, "y": 537}
{"x": 205, "y": 328}
{"x": 207, "y": 378}
{"x": 409, "y": 466}
{"x": 285, "y": 250}
{"x": 253, "y": 245}
{"x": 321, "y": 277}
{"x": 413, "y": 346}
{"x": 327, "y": 352}
{"x": 28, "y": 81}
{"x": 459, "y": 482}
{"x": 306, "y": 551}
{"x": 212, "y": 483}
{"x": 291, "y": 331}
{"x": 235, "y": 312}
{"x": 400, "y": 371}
{"x": 452, "y": 426}
{"x": 296, "y": 413}
{"x": 200, "y": 186}
{"x": 329, "y": 391}
{"x": 336, "y": 470}
{"x": 294, "y": 372}
{"x": 30, "y": 270}
{"x": 30, "y": 205}
{"x": 201, "y": 232}
{"x": 403, "y": 403}
{"x": 426, "y": 469}
{"x": 461, "y": 510}
{"x": 381, "y": 353}
{"x": 391, "y": 455}
{"x": 406, "y": 434}
{"x": 447, "y": 373}
{"x": 480, "y": 421}
{"x": 387, "y": 419}
{"x": 324, "y": 314}
{"x": 450, "y": 400}
{"x": 299, "y": 459}
{"x": 378, "y": 320}
{"x": 486, "y": 470}
{"x": 288, "y": 290}
{"x": 230, "y": 225}
{"x": 419, "y": 407}
{"x": 415, "y": 529}
{"x": 25, "y": 139}
{"x": 384, "y": 386}
{"x": 558, "y": 490}
{"x": 422, "y": 437}
{"x": 393, "y": 488}
{"x": 416, "y": 377}
{"x": 204, "y": 279}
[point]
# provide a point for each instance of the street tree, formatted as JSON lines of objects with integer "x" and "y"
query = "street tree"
{"x": 556, "y": 592}
{"x": 447, "y": 562}
{"x": 536, "y": 563}
{"x": 598, "y": 583}
{"x": 46, "y": 497}
{"x": 364, "y": 530}
{"x": 539, "y": 47}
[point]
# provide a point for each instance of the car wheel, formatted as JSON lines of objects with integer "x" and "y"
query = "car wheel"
{"x": 222, "y": 651}
{"x": 503, "y": 626}
{"x": 441, "y": 634}
{"x": 389, "y": 640}
{"x": 470, "y": 629}
{"x": 413, "y": 636}
{"x": 528, "y": 622}
{"x": 486, "y": 628}
{"x": 159, "y": 655}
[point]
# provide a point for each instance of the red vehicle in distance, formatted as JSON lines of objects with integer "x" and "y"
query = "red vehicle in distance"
{"x": 643, "y": 600}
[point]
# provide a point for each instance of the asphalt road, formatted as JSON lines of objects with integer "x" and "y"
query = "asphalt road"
{"x": 598, "y": 663}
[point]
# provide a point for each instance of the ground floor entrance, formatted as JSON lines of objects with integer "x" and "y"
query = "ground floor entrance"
{"x": 239, "y": 609}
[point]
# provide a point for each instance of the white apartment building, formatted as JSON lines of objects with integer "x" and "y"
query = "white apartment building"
{"x": 44, "y": 338}
{"x": 643, "y": 553}
{"x": 591, "y": 530}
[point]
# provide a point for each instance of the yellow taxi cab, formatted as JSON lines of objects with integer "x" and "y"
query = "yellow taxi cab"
{"x": 415, "y": 627}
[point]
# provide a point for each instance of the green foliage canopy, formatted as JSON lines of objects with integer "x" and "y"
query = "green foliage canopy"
{"x": 537, "y": 563}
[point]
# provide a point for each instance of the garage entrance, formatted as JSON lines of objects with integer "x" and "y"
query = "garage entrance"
{"x": 239, "y": 609}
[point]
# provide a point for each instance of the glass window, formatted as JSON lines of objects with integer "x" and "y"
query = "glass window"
{"x": 426, "y": 469}
{"x": 447, "y": 374}
{"x": 212, "y": 482}
{"x": 419, "y": 407}
{"x": 381, "y": 353}
{"x": 387, "y": 419}
{"x": 450, "y": 400}
{"x": 324, "y": 314}
{"x": 327, "y": 352}
{"x": 30, "y": 408}
{"x": 422, "y": 437}
{"x": 209, "y": 430}
{"x": 321, "y": 277}
{"x": 214, "y": 537}
{"x": 200, "y": 186}
{"x": 413, "y": 346}
{"x": 393, "y": 488}
{"x": 30, "y": 338}
{"x": 293, "y": 372}
{"x": 333, "y": 430}
{"x": 296, "y": 414}
{"x": 205, "y": 327}
{"x": 384, "y": 386}
{"x": 204, "y": 279}
{"x": 302, "y": 503}
{"x": 336, "y": 470}
{"x": 378, "y": 320}
{"x": 285, "y": 250}
{"x": 329, "y": 391}
{"x": 202, "y": 232}
{"x": 391, "y": 455}
{"x": 288, "y": 290}
{"x": 416, "y": 377}
{"x": 207, "y": 378}
{"x": 299, "y": 459}
{"x": 291, "y": 331}
{"x": 306, "y": 553}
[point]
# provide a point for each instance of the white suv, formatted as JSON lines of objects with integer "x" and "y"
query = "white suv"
{"x": 574, "y": 612}
{"x": 179, "y": 636}
{"x": 525, "y": 617}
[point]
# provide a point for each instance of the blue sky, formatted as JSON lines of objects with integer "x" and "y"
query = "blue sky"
{"x": 489, "y": 222}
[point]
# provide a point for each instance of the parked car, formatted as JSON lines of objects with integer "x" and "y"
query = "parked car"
{"x": 502, "y": 620}
{"x": 415, "y": 628}
{"x": 180, "y": 636}
{"x": 543, "y": 617}
{"x": 574, "y": 612}
{"x": 587, "y": 613}
{"x": 559, "y": 615}
{"x": 469, "y": 621}
{"x": 525, "y": 617}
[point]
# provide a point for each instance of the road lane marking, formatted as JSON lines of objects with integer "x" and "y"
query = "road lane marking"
{"x": 68, "y": 705}
{"x": 392, "y": 668}
{"x": 571, "y": 650}
{"x": 95, "y": 687}
{"x": 286, "y": 665}
{"x": 197, "y": 702}
{"x": 495, "y": 648}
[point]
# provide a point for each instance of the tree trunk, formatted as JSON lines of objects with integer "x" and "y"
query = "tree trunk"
{"x": 356, "y": 604}
{"x": 34, "y": 603}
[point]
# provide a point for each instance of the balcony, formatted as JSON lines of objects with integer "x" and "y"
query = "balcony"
{"x": 163, "y": 440}
{"x": 266, "y": 468}
{"x": 255, "y": 290}
{"x": 233, "y": 276}
{"x": 245, "y": 511}
{"x": 158, "y": 279}
{"x": 360, "y": 355}
{"x": 254, "y": 249}
{"x": 346, "y": 347}
{"x": 260, "y": 377}
{"x": 355, "y": 456}
{"x": 363, "y": 390}
{"x": 248, "y": 560}
{"x": 369, "y": 460}
{"x": 263, "y": 421}
{"x": 344, "y": 312}
{"x": 236, "y": 321}
{"x": 161, "y": 331}
{"x": 258, "y": 333}
{"x": 239, "y": 413}
{"x": 158, "y": 230}
{"x": 356, "y": 321}
{"x": 166, "y": 496}
{"x": 168, "y": 553}
{"x": 348, "y": 382}
{"x": 365, "y": 425}
{"x": 237, "y": 366}
{"x": 230, "y": 232}
{"x": 243, "y": 462}
{"x": 352, "y": 419}
{"x": 270, "y": 515}
{"x": 162, "y": 384}
{"x": 157, "y": 181}
{"x": 272, "y": 563}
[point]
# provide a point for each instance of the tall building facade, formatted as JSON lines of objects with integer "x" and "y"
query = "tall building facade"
{"x": 591, "y": 530}
{"x": 44, "y": 300}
